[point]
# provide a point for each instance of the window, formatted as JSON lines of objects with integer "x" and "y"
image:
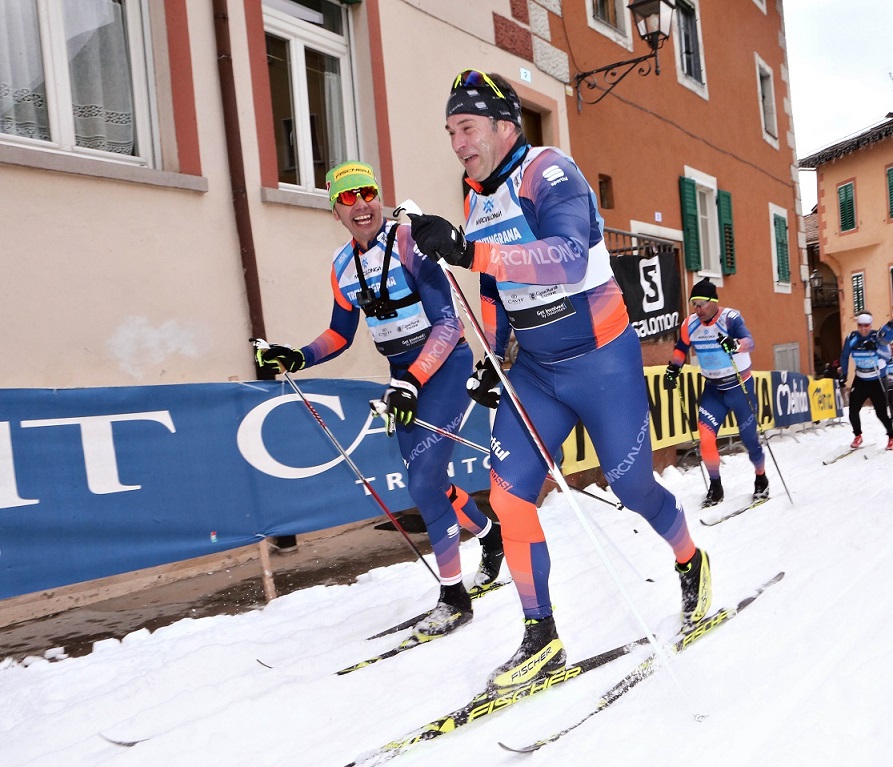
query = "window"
{"x": 858, "y": 292}
{"x": 766, "y": 95}
{"x": 73, "y": 77}
{"x": 310, "y": 88}
{"x": 890, "y": 192}
{"x": 689, "y": 41}
{"x": 707, "y": 225}
{"x": 612, "y": 12}
{"x": 609, "y": 18}
{"x": 781, "y": 257}
{"x": 846, "y": 204}
{"x": 786, "y": 357}
{"x": 605, "y": 192}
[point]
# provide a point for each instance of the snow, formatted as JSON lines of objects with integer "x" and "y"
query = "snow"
{"x": 802, "y": 677}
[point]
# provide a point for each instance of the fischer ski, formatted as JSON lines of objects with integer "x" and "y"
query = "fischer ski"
{"x": 487, "y": 703}
{"x": 475, "y": 592}
{"x": 651, "y": 664}
{"x": 723, "y": 516}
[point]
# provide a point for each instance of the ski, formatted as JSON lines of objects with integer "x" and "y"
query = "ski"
{"x": 406, "y": 644}
{"x": 487, "y": 703}
{"x": 723, "y": 516}
{"x": 651, "y": 664}
{"x": 475, "y": 592}
{"x": 844, "y": 454}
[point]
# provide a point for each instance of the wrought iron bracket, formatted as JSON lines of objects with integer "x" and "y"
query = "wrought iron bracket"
{"x": 611, "y": 75}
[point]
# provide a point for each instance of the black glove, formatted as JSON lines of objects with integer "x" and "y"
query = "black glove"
{"x": 670, "y": 376}
{"x": 869, "y": 345}
{"x": 483, "y": 384}
{"x": 729, "y": 345}
{"x": 402, "y": 400}
{"x": 281, "y": 358}
{"x": 841, "y": 379}
{"x": 437, "y": 238}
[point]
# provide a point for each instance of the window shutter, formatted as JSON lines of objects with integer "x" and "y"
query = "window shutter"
{"x": 688, "y": 194}
{"x": 726, "y": 232}
{"x": 846, "y": 205}
{"x": 781, "y": 249}
{"x": 890, "y": 192}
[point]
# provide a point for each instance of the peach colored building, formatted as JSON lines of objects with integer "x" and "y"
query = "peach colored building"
{"x": 855, "y": 214}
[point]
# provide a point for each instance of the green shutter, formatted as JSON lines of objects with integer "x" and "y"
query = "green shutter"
{"x": 726, "y": 232}
{"x": 846, "y": 204}
{"x": 688, "y": 194}
{"x": 781, "y": 249}
{"x": 890, "y": 192}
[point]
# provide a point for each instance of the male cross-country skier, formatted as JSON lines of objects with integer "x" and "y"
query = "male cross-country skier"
{"x": 535, "y": 235}
{"x": 871, "y": 355}
{"x": 723, "y": 344}
{"x": 410, "y": 315}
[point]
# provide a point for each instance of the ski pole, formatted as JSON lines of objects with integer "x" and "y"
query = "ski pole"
{"x": 259, "y": 343}
{"x": 660, "y": 651}
{"x": 756, "y": 420}
{"x": 482, "y": 449}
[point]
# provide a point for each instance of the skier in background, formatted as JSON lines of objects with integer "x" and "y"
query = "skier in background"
{"x": 723, "y": 344}
{"x": 870, "y": 358}
{"x": 410, "y": 314}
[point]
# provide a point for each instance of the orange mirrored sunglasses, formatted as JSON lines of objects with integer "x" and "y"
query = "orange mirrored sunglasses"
{"x": 350, "y": 196}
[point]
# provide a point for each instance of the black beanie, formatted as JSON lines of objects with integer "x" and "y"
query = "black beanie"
{"x": 703, "y": 291}
{"x": 483, "y": 100}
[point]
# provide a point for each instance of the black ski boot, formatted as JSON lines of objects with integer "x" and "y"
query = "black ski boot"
{"x": 453, "y": 610}
{"x": 761, "y": 487}
{"x": 541, "y": 654}
{"x": 492, "y": 555}
{"x": 714, "y": 494}
{"x": 697, "y": 590}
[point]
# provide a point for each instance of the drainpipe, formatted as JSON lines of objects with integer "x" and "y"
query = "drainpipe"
{"x": 237, "y": 176}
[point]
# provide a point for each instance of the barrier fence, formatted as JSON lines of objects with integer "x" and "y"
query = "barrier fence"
{"x": 101, "y": 481}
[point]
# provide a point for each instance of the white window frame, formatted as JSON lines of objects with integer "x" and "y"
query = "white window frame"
{"x": 766, "y": 101}
{"x": 300, "y": 35}
{"x": 684, "y": 79}
{"x": 708, "y": 225}
{"x": 623, "y": 37}
{"x": 786, "y": 357}
{"x": 51, "y": 29}
{"x": 858, "y": 277}
{"x": 780, "y": 287}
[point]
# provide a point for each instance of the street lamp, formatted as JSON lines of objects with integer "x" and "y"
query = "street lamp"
{"x": 654, "y": 19}
{"x": 815, "y": 281}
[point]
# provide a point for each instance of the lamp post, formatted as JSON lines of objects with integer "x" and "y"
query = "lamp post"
{"x": 654, "y": 19}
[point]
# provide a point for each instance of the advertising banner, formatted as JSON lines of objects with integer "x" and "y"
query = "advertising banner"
{"x": 651, "y": 290}
{"x": 96, "y": 482}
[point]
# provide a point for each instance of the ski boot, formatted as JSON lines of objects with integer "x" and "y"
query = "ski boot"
{"x": 714, "y": 494}
{"x": 541, "y": 654}
{"x": 492, "y": 554}
{"x": 697, "y": 591}
{"x": 760, "y": 487}
{"x": 453, "y": 610}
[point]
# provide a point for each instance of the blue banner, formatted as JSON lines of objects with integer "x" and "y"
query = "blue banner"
{"x": 96, "y": 482}
{"x": 791, "y": 394}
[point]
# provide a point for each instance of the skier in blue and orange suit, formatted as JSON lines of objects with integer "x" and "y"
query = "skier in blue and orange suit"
{"x": 413, "y": 323}
{"x": 723, "y": 345}
{"x": 535, "y": 234}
